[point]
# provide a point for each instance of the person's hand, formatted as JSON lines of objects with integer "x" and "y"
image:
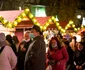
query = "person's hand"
{"x": 52, "y": 62}
{"x": 77, "y": 67}
{"x": 23, "y": 49}
{"x": 58, "y": 63}
{"x": 80, "y": 67}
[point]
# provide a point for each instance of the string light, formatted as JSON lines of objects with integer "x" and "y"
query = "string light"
{"x": 29, "y": 15}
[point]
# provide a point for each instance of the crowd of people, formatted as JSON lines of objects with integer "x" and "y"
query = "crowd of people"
{"x": 30, "y": 53}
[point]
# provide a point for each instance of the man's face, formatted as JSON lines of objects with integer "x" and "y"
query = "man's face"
{"x": 26, "y": 36}
{"x": 35, "y": 33}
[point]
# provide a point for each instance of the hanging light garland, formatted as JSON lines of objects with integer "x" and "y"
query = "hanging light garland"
{"x": 19, "y": 19}
{"x": 27, "y": 13}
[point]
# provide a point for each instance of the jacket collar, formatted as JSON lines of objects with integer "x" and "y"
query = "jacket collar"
{"x": 37, "y": 37}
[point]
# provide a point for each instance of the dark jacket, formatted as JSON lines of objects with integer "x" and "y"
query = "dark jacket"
{"x": 21, "y": 55}
{"x": 79, "y": 58}
{"x": 36, "y": 55}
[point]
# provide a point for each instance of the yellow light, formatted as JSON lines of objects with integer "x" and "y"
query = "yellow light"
{"x": 44, "y": 27}
{"x": 82, "y": 26}
{"x": 47, "y": 24}
{"x": 15, "y": 23}
{"x": 27, "y": 10}
{"x": 34, "y": 20}
{"x": 62, "y": 30}
{"x": 9, "y": 25}
{"x": 49, "y": 20}
{"x": 23, "y": 14}
{"x": 30, "y": 15}
{"x": 41, "y": 27}
{"x": 38, "y": 24}
{"x": 66, "y": 27}
{"x": 75, "y": 29}
{"x": 19, "y": 19}
{"x": 53, "y": 17}
{"x": 57, "y": 24}
{"x": 55, "y": 20}
{"x": 5, "y": 21}
{"x": 70, "y": 22}
{"x": 59, "y": 27}
{"x": 73, "y": 26}
{"x": 78, "y": 28}
{"x": 0, "y": 16}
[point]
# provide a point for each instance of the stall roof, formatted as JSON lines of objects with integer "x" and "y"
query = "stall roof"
{"x": 42, "y": 20}
{"x": 11, "y": 15}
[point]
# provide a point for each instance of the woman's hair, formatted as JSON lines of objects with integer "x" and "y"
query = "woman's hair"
{"x": 74, "y": 37}
{"x": 58, "y": 43}
{"x": 9, "y": 39}
{"x": 15, "y": 39}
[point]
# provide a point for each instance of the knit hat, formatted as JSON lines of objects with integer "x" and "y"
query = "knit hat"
{"x": 2, "y": 37}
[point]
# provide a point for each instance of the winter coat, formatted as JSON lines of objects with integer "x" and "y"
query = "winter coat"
{"x": 58, "y": 55}
{"x": 21, "y": 54}
{"x": 79, "y": 58}
{"x": 8, "y": 59}
{"x": 36, "y": 55}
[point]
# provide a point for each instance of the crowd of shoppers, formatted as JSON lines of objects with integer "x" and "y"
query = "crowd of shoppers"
{"x": 30, "y": 53}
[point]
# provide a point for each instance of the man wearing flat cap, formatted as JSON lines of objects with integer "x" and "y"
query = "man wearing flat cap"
{"x": 35, "y": 56}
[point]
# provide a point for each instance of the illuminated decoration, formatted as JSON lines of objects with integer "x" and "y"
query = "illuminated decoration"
{"x": 15, "y": 23}
{"x": 44, "y": 28}
{"x": 59, "y": 27}
{"x": 73, "y": 26}
{"x": 57, "y": 18}
{"x": 49, "y": 20}
{"x": 41, "y": 27}
{"x": 38, "y": 24}
{"x": 23, "y": 14}
{"x": 82, "y": 26}
{"x": 34, "y": 20}
{"x": 57, "y": 24}
{"x": 66, "y": 28}
{"x": 78, "y": 28}
{"x": 83, "y": 22}
{"x": 71, "y": 22}
{"x": 5, "y": 21}
{"x": 75, "y": 29}
{"x": 62, "y": 30}
{"x": 28, "y": 14}
{"x": 53, "y": 19}
{"x": 9, "y": 25}
{"x": 79, "y": 16}
{"x": 27, "y": 10}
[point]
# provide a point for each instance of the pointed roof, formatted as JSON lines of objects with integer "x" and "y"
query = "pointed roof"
{"x": 11, "y": 15}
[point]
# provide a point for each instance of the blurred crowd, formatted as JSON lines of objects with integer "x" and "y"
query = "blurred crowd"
{"x": 32, "y": 53}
